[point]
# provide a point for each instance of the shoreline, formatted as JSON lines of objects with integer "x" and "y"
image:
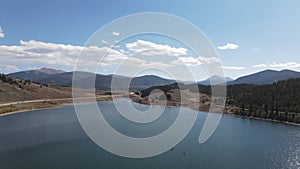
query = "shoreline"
{"x": 28, "y": 110}
{"x": 47, "y": 104}
{"x": 227, "y": 111}
{"x": 109, "y": 98}
{"x": 264, "y": 119}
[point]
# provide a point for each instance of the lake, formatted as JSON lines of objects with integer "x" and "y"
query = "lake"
{"x": 53, "y": 138}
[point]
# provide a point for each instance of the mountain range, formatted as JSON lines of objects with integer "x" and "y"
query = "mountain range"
{"x": 103, "y": 82}
{"x": 266, "y": 77}
{"x": 36, "y": 74}
{"x": 214, "y": 80}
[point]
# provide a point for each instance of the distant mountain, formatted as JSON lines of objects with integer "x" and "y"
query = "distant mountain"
{"x": 65, "y": 79}
{"x": 36, "y": 75}
{"x": 88, "y": 80}
{"x": 103, "y": 82}
{"x": 266, "y": 77}
{"x": 150, "y": 80}
{"x": 214, "y": 80}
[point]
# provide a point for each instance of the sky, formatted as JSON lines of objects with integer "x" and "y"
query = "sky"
{"x": 248, "y": 35}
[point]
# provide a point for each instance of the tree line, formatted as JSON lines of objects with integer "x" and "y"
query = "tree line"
{"x": 278, "y": 101}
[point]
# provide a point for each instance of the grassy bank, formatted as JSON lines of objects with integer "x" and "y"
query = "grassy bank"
{"x": 23, "y": 107}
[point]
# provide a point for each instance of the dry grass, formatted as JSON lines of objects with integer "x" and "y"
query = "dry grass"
{"x": 24, "y": 91}
{"x": 28, "y": 106}
{"x": 5, "y": 110}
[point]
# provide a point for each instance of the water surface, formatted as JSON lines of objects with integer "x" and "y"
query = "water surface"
{"x": 53, "y": 138}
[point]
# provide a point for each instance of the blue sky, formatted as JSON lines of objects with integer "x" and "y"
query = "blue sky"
{"x": 262, "y": 34}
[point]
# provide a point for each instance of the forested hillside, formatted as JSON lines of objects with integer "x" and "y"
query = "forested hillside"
{"x": 277, "y": 101}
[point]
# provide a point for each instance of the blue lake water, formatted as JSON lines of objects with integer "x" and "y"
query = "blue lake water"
{"x": 53, "y": 138}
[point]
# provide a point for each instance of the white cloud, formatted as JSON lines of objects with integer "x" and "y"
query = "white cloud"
{"x": 104, "y": 41}
{"x": 148, "y": 48}
{"x": 32, "y": 52}
{"x": 229, "y": 46}
{"x": 114, "y": 46}
{"x": 255, "y": 49}
{"x": 136, "y": 62}
{"x": 116, "y": 33}
{"x": 192, "y": 61}
{"x": 1, "y": 33}
{"x": 260, "y": 66}
{"x": 233, "y": 67}
{"x": 286, "y": 65}
{"x": 9, "y": 67}
{"x": 157, "y": 65}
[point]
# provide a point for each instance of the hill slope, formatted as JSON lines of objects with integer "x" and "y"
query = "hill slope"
{"x": 13, "y": 89}
{"x": 36, "y": 74}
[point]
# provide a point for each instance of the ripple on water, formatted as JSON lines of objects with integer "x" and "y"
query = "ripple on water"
{"x": 287, "y": 155}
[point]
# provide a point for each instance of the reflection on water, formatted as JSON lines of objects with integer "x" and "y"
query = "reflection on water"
{"x": 288, "y": 151}
{"x": 53, "y": 138}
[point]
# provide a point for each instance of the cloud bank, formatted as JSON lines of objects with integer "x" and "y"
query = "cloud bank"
{"x": 33, "y": 53}
{"x": 55, "y": 54}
